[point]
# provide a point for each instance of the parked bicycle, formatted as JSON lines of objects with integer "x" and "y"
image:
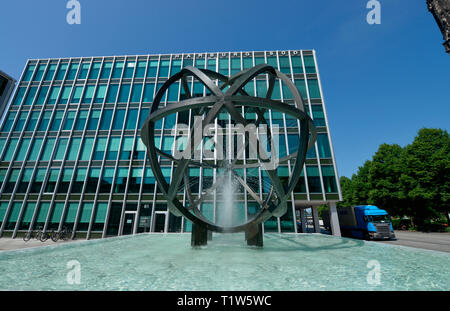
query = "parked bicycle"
{"x": 37, "y": 233}
{"x": 63, "y": 234}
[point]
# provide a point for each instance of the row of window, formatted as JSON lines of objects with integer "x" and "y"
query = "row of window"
{"x": 139, "y": 92}
{"x": 95, "y": 180}
{"x": 137, "y": 69}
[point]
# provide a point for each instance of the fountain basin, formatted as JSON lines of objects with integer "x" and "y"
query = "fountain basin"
{"x": 296, "y": 262}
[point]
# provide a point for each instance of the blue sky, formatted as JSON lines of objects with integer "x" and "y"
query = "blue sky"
{"x": 382, "y": 83}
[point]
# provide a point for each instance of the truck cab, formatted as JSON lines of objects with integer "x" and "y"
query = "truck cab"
{"x": 373, "y": 223}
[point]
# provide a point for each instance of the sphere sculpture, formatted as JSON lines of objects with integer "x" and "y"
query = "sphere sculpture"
{"x": 227, "y": 94}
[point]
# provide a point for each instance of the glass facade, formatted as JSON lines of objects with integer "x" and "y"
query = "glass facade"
{"x": 70, "y": 147}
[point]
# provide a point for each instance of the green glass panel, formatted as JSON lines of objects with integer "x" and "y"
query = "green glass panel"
{"x": 53, "y": 95}
{"x": 61, "y": 149}
{"x": 50, "y": 72}
{"x": 34, "y": 154}
{"x": 10, "y": 150}
{"x": 28, "y": 214}
{"x": 57, "y": 119}
{"x": 118, "y": 68}
{"x": 71, "y": 213}
{"x": 301, "y": 86}
{"x": 119, "y": 119}
{"x": 81, "y": 120}
{"x": 100, "y": 94}
{"x": 84, "y": 71}
{"x": 70, "y": 118}
{"x": 313, "y": 87}
{"x": 3, "y": 207}
{"x": 88, "y": 144}
{"x": 132, "y": 118}
{"x": 107, "y": 115}
{"x": 309, "y": 64}
{"x": 324, "y": 146}
{"x": 136, "y": 93}
{"x": 30, "y": 96}
{"x": 86, "y": 212}
{"x": 100, "y": 214}
{"x": 14, "y": 214}
{"x": 61, "y": 71}
{"x": 297, "y": 66}
{"x": 72, "y": 71}
{"x": 19, "y": 96}
{"x": 21, "y": 121}
{"x": 77, "y": 94}
{"x": 48, "y": 149}
{"x": 23, "y": 149}
{"x": 29, "y": 73}
{"x": 43, "y": 211}
{"x": 93, "y": 119}
{"x": 140, "y": 70}
{"x": 65, "y": 95}
{"x": 74, "y": 148}
{"x": 88, "y": 94}
{"x": 95, "y": 70}
{"x": 57, "y": 213}
{"x": 124, "y": 93}
{"x": 112, "y": 94}
{"x": 148, "y": 92}
{"x": 106, "y": 71}
{"x": 42, "y": 95}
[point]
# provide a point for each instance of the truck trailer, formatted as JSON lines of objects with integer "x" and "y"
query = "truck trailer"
{"x": 363, "y": 222}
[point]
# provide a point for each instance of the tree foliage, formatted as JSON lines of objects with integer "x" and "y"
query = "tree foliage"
{"x": 411, "y": 181}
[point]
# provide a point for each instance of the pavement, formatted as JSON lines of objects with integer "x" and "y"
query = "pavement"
{"x": 7, "y": 244}
{"x": 432, "y": 241}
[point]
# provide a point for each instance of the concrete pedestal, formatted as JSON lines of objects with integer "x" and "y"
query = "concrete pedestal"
{"x": 334, "y": 220}
{"x": 254, "y": 235}
{"x": 315, "y": 215}
{"x": 199, "y": 235}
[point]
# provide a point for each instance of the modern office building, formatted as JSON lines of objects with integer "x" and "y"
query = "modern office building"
{"x": 71, "y": 153}
{"x": 7, "y": 85}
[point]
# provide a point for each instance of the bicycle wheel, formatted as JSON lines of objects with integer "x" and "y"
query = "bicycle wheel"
{"x": 38, "y": 235}
{"x": 44, "y": 236}
{"x": 55, "y": 236}
{"x": 27, "y": 236}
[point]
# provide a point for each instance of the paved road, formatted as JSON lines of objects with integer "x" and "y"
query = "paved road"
{"x": 433, "y": 241}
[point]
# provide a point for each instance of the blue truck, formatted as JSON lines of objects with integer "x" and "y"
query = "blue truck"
{"x": 363, "y": 222}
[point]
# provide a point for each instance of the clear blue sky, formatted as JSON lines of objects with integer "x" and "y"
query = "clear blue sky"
{"x": 382, "y": 83}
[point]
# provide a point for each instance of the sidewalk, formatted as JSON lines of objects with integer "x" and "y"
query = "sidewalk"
{"x": 7, "y": 244}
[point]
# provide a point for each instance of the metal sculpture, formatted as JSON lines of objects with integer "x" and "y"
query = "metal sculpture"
{"x": 275, "y": 203}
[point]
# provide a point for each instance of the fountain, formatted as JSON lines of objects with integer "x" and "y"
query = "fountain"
{"x": 229, "y": 95}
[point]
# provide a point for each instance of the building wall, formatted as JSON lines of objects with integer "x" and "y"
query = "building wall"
{"x": 71, "y": 154}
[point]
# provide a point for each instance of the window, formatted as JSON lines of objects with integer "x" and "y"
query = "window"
{"x": 100, "y": 216}
{"x": 21, "y": 121}
{"x": 26, "y": 178}
{"x": 38, "y": 180}
{"x": 300, "y": 187}
{"x": 142, "y": 117}
{"x": 124, "y": 93}
{"x": 235, "y": 65}
{"x": 247, "y": 62}
{"x": 140, "y": 70}
{"x": 33, "y": 121}
{"x": 30, "y": 96}
{"x": 65, "y": 95}
{"x": 29, "y": 73}
{"x": 45, "y": 121}
{"x": 223, "y": 66}
{"x": 93, "y": 119}
{"x": 148, "y": 92}
{"x": 42, "y": 95}
{"x": 313, "y": 86}
{"x": 313, "y": 179}
{"x": 57, "y": 119}
{"x": 129, "y": 70}
{"x": 152, "y": 68}
{"x": 324, "y": 146}
{"x": 139, "y": 154}
{"x": 167, "y": 144}
{"x": 132, "y": 118}
{"x": 3, "y": 207}
{"x": 34, "y": 153}
{"x": 92, "y": 181}
{"x": 112, "y": 94}
{"x": 81, "y": 121}
{"x": 287, "y": 94}
{"x": 74, "y": 148}
{"x": 70, "y": 118}
{"x": 61, "y": 149}
{"x": 57, "y": 212}
{"x": 52, "y": 180}
{"x": 106, "y": 71}
{"x": 113, "y": 149}
{"x": 121, "y": 180}
{"x": 86, "y": 151}
{"x": 100, "y": 94}
{"x": 13, "y": 177}
{"x": 88, "y": 94}
{"x": 19, "y": 96}
{"x": 107, "y": 179}
{"x": 329, "y": 181}
{"x": 127, "y": 148}
{"x": 53, "y": 95}
{"x": 85, "y": 217}
{"x": 23, "y": 149}
{"x": 261, "y": 88}
{"x": 297, "y": 66}
{"x": 42, "y": 215}
{"x": 135, "y": 180}
{"x": 117, "y": 72}
{"x": 27, "y": 216}
{"x": 119, "y": 119}
{"x": 105, "y": 124}
{"x": 272, "y": 61}
{"x": 84, "y": 71}
{"x": 77, "y": 95}
{"x": 164, "y": 68}
{"x": 10, "y": 149}
{"x": 51, "y": 72}
{"x": 77, "y": 186}
{"x": 14, "y": 215}
{"x": 176, "y": 66}
{"x": 285, "y": 66}
{"x": 200, "y": 63}
{"x": 309, "y": 64}
{"x": 301, "y": 86}
{"x": 48, "y": 149}
{"x": 318, "y": 115}
{"x": 149, "y": 181}
{"x": 9, "y": 121}
{"x": 100, "y": 148}
{"x": 212, "y": 64}
{"x": 95, "y": 70}
{"x": 61, "y": 72}
{"x": 136, "y": 93}
{"x": 293, "y": 140}
{"x": 65, "y": 180}
{"x": 71, "y": 214}
{"x": 72, "y": 71}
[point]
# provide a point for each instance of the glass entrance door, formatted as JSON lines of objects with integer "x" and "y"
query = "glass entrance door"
{"x": 128, "y": 224}
{"x": 159, "y": 222}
